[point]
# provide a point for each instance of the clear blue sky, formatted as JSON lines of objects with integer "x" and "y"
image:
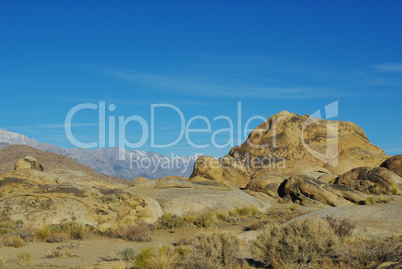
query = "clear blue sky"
{"x": 203, "y": 57}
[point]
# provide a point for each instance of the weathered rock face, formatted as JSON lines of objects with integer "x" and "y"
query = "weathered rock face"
{"x": 394, "y": 164}
{"x": 269, "y": 184}
{"x": 366, "y": 179}
{"x": 289, "y": 168}
{"x": 223, "y": 169}
{"x": 306, "y": 146}
{"x": 181, "y": 197}
{"x": 295, "y": 137}
{"x": 42, "y": 198}
{"x": 308, "y": 190}
{"x": 28, "y": 163}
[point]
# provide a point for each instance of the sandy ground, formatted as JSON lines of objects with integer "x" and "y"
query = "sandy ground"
{"x": 92, "y": 252}
{"x": 96, "y": 251}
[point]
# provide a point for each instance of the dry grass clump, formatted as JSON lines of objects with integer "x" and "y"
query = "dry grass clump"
{"x": 24, "y": 259}
{"x": 13, "y": 241}
{"x": 166, "y": 257}
{"x": 214, "y": 250}
{"x": 62, "y": 232}
{"x": 75, "y": 230}
{"x": 250, "y": 211}
{"x": 365, "y": 253}
{"x": 118, "y": 265}
{"x": 294, "y": 244}
{"x": 171, "y": 221}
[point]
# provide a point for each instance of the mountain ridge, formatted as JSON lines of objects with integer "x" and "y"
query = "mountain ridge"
{"x": 106, "y": 160}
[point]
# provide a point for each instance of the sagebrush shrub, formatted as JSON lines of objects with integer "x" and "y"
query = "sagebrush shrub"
{"x": 342, "y": 228}
{"x": 366, "y": 252}
{"x": 138, "y": 233}
{"x": 214, "y": 250}
{"x": 299, "y": 242}
{"x": 127, "y": 254}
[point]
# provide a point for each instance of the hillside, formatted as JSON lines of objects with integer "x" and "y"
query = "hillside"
{"x": 106, "y": 160}
{"x": 50, "y": 161}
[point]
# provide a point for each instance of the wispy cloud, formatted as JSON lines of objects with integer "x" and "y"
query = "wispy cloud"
{"x": 211, "y": 87}
{"x": 388, "y": 67}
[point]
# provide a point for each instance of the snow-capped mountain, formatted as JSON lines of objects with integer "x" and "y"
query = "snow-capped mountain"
{"x": 106, "y": 160}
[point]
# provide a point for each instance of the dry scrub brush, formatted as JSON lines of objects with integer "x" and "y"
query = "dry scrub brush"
{"x": 214, "y": 250}
{"x": 294, "y": 244}
{"x": 365, "y": 252}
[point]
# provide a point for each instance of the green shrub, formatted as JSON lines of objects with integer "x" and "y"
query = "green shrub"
{"x": 127, "y": 254}
{"x": 143, "y": 258}
{"x": 207, "y": 220}
{"x": 364, "y": 252}
{"x": 370, "y": 201}
{"x": 215, "y": 250}
{"x": 6, "y": 227}
{"x": 170, "y": 221}
{"x": 293, "y": 244}
{"x": 165, "y": 258}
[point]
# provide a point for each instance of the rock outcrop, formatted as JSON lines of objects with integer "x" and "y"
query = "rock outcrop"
{"x": 374, "y": 180}
{"x": 51, "y": 197}
{"x": 28, "y": 163}
{"x": 289, "y": 144}
{"x": 269, "y": 184}
{"x": 394, "y": 164}
{"x": 180, "y": 196}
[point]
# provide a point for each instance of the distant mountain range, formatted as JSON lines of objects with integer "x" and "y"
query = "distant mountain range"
{"x": 137, "y": 163}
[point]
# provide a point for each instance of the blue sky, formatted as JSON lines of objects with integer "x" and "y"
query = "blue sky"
{"x": 202, "y": 57}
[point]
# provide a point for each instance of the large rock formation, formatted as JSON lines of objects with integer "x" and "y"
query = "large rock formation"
{"x": 51, "y": 197}
{"x": 394, "y": 164}
{"x": 290, "y": 144}
{"x": 180, "y": 197}
{"x": 368, "y": 180}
